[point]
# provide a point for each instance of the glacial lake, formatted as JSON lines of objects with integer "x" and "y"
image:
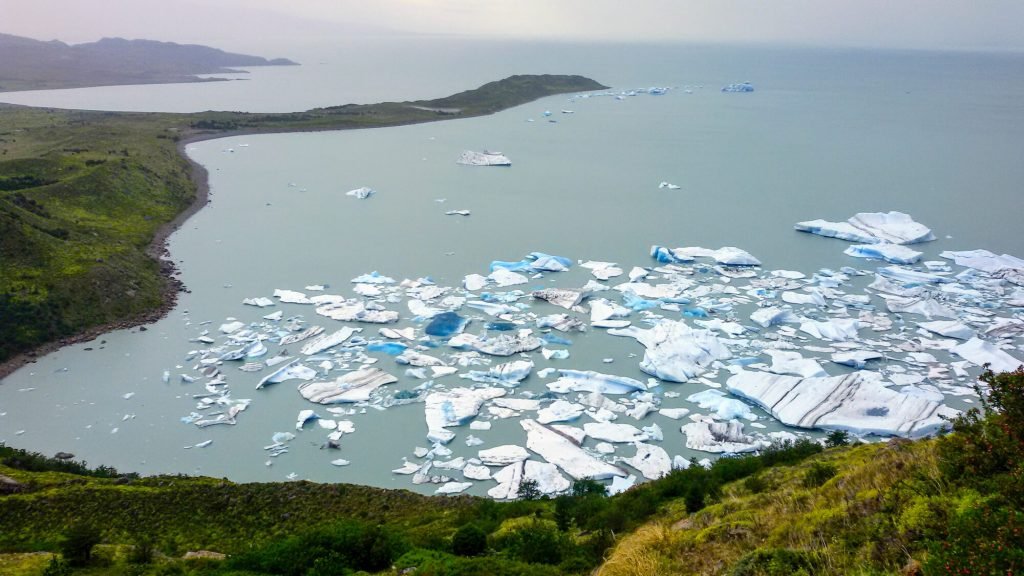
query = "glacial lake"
{"x": 825, "y": 135}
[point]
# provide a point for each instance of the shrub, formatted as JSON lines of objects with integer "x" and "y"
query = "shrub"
{"x": 78, "y": 542}
{"x": 837, "y": 438}
{"x": 469, "y": 541}
{"x": 775, "y": 562}
{"x": 818, "y": 474}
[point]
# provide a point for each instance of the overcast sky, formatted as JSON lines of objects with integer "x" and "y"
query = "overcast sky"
{"x": 257, "y": 25}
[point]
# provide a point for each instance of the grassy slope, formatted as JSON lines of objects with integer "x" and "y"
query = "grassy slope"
{"x": 82, "y": 195}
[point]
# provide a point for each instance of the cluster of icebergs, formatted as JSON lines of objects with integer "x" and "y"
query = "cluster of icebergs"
{"x": 725, "y": 345}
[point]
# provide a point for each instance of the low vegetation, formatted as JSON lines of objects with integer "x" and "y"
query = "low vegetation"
{"x": 83, "y": 195}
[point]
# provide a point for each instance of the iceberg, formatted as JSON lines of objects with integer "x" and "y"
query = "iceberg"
{"x": 356, "y": 386}
{"x": 985, "y": 261}
{"x": 446, "y": 324}
{"x": 590, "y": 381}
{"x": 454, "y": 408}
{"x": 474, "y": 282}
{"x": 414, "y": 358}
{"x": 452, "y": 488}
{"x": 727, "y": 256}
{"x": 980, "y": 352}
{"x": 485, "y": 158}
{"x": 291, "y": 297}
{"x": 508, "y": 478}
{"x": 358, "y": 312}
{"x": 564, "y": 453}
{"x": 559, "y": 297}
{"x": 559, "y": 411}
{"x": 912, "y": 276}
{"x": 855, "y": 358}
{"x": 789, "y": 362}
{"x": 327, "y": 341}
{"x": 948, "y": 328}
{"x": 290, "y": 371}
{"x": 857, "y": 402}
{"x": 724, "y": 407}
{"x": 509, "y": 374}
{"x": 772, "y": 316}
{"x": 259, "y": 302}
{"x": 505, "y": 344}
{"x": 360, "y": 193}
{"x": 668, "y": 185}
{"x": 548, "y": 479}
{"x": 651, "y": 461}
{"x": 676, "y": 352}
{"x": 542, "y": 262}
{"x": 707, "y": 435}
{"x": 300, "y": 336}
{"x": 894, "y": 253}
{"x": 871, "y": 228}
{"x": 839, "y": 330}
{"x": 924, "y": 305}
{"x": 503, "y": 455}
{"x": 738, "y": 87}
{"x": 610, "y": 432}
{"x": 503, "y": 277}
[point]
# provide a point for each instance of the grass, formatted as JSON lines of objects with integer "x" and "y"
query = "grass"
{"x": 83, "y": 194}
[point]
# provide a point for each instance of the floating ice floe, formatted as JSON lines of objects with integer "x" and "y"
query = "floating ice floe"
{"x": 728, "y": 256}
{"x": 328, "y": 341}
{"x": 454, "y": 408}
{"x": 676, "y": 352}
{"x": 948, "y": 328}
{"x": 293, "y": 370}
{"x": 772, "y": 316}
{"x": 503, "y": 344}
{"x": 559, "y": 450}
{"x": 738, "y": 87}
{"x": 259, "y": 302}
{"x": 668, "y": 185}
{"x": 611, "y": 432}
{"x": 894, "y": 253}
{"x": 354, "y": 386}
{"x": 651, "y": 461}
{"x": 503, "y": 455}
{"x": 724, "y": 407}
{"x": 857, "y": 402}
{"x": 485, "y": 158}
{"x": 508, "y": 374}
{"x": 707, "y": 435}
{"x": 981, "y": 352}
{"x": 871, "y": 228}
{"x": 590, "y": 381}
{"x": 1004, "y": 266}
{"x": 360, "y": 193}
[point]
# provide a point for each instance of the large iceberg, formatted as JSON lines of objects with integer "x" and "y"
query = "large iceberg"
{"x": 857, "y": 402}
{"x": 652, "y": 461}
{"x": 354, "y": 386}
{"x": 738, "y": 87}
{"x": 566, "y": 454}
{"x": 728, "y": 256}
{"x": 590, "y": 381}
{"x": 676, "y": 352}
{"x": 871, "y": 228}
{"x": 707, "y": 435}
{"x": 453, "y": 408}
{"x": 508, "y": 374}
{"x": 485, "y": 158}
{"x": 981, "y": 352}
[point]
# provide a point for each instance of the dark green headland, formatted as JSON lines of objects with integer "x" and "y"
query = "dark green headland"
{"x": 87, "y": 198}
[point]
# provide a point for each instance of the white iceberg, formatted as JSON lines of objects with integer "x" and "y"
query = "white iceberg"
{"x": 839, "y": 329}
{"x": 652, "y": 461}
{"x": 559, "y": 411}
{"x": 610, "y": 432}
{"x": 564, "y": 453}
{"x": 503, "y": 455}
{"x": 485, "y": 158}
{"x": 872, "y": 228}
{"x": 981, "y": 352}
{"x": 454, "y": 408}
{"x": 857, "y": 402}
{"x": 546, "y": 476}
{"x": 354, "y": 386}
{"x": 508, "y": 374}
{"x": 948, "y": 328}
{"x": 327, "y": 341}
{"x": 707, "y": 435}
{"x": 360, "y": 193}
{"x": 894, "y": 253}
{"x": 590, "y": 381}
{"x": 676, "y": 352}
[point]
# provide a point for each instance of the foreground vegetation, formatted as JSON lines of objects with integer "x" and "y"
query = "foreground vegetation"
{"x": 952, "y": 505}
{"x": 83, "y": 195}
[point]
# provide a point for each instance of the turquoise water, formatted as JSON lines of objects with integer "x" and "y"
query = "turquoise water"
{"x": 827, "y": 134}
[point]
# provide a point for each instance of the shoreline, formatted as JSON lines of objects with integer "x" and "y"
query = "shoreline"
{"x": 158, "y": 249}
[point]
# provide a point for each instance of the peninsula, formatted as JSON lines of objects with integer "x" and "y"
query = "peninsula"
{"x": 88, "y": 198}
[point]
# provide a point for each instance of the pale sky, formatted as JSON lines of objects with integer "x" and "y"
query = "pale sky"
{"x": 261, "y": 25}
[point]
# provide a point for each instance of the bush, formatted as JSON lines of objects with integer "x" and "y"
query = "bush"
{"x": 350, "y": 545}
{"x": 469, "y": 541}
{"x": 818, "y": 474}
{"x": 78, "y": 542}
{"x": 775, "y": 562}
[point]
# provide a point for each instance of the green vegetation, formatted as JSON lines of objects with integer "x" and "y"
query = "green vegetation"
{"x": 83, "y": 195}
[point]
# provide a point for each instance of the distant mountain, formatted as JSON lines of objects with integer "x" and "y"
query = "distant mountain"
{"x": 27, "y": 64}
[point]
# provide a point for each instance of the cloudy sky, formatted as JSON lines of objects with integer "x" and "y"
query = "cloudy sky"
{"x": 266, "y": 24}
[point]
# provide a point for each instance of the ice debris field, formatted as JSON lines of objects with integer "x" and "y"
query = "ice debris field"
{"x": 877, "y": 352}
